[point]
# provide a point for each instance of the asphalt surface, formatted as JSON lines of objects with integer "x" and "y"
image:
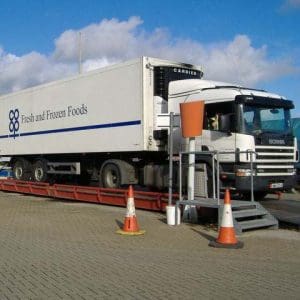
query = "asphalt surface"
{"x": 51, "y": 249}
{"x": 285, "y": 208}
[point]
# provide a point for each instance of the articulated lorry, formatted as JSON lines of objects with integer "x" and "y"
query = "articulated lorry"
{"x": 111, "y": 127}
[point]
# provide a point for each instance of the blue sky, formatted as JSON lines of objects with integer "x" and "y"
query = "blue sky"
{"x": 254, "y": 44}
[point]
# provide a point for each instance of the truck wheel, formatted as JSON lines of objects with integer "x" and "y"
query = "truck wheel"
{"x": 110, "y": 176}
{"x": 22, "y": 169}
{"x": 40, "y": 171}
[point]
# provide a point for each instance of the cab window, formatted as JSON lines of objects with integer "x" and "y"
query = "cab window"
{"x": 216, "y": 113}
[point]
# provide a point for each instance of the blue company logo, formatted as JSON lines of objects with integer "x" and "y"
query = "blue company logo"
{"x": 14, "y": 124}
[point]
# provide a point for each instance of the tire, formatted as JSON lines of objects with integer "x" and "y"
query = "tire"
{"x": 39, "y": 171}
{"x": 22, "y": 169}
{"x": 110, "y": 176}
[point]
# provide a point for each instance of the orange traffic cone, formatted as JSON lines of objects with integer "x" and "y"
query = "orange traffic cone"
{"x": 226, "y": 238}
{"x": 130, "y": 226}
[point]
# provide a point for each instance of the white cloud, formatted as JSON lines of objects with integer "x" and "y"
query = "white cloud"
{"x": 92, "y": 64}
{"x": 290, "y": 4}
{"x": 111, "y": 41}
{"x": 294, "y": 3}
{"x": 28, "y": 70}
{"x": 238, "y": 61}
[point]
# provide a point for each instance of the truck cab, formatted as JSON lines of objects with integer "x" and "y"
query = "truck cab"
{"x": 242, "y": 121}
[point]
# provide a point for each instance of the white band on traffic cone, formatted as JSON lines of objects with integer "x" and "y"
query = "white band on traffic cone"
{"x": 227, "y": 216}
{"x": 130, "y": 207}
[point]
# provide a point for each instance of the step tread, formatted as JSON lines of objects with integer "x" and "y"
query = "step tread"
{"x": 257, "y": 223}
{"x": 238, "y": 203}
{"x": 248, "y": 213}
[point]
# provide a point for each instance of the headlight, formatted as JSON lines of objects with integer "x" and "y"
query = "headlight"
{"x": 243, "y": 172}
{"x": 293, "y": 171}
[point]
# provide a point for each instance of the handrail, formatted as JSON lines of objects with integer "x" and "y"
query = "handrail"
{"x": 215, "y": 156}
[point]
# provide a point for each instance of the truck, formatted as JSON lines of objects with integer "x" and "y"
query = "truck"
{"x": 111, "y": 127}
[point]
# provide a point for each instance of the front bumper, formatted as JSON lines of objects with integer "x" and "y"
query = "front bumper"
{"x": 265, "y": 183}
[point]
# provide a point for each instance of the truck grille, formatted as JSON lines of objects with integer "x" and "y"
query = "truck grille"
{"x": 275, "y": 160}
{"x": 271, "y": 154}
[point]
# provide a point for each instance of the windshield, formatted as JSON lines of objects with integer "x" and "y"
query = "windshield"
{"x": 265, "y": 119}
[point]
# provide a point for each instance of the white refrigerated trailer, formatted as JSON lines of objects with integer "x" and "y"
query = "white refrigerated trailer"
{"x": 100, "y": 125}
{"x": 110, "y": 126}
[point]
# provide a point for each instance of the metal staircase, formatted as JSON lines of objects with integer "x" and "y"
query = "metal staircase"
{"x": 251, "y": 215}
{"x": 247, "y": 215}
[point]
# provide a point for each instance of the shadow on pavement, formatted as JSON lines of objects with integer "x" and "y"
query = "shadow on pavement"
{"x": 163, "y": 220}
{"x": 119, "y": 223}
{"x": 205, "y": 235}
